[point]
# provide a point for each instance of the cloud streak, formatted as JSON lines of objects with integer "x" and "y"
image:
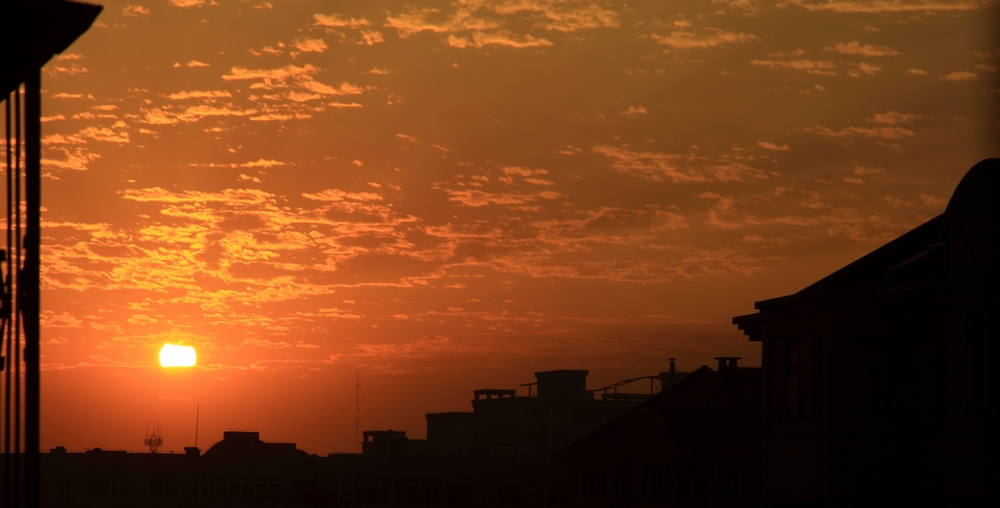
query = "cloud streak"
{"x": 889, "y": 6}
{"x": 675, "y": 168}
{"x": 705, "y": 38}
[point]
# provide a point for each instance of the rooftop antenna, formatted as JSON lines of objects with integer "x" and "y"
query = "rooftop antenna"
{"x": 155, "y": 440}
{"x": 357, "y": 414}
{"x": 197, "y": 413}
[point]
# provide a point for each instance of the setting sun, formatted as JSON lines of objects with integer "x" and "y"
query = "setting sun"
{"x": 177, "y": 356}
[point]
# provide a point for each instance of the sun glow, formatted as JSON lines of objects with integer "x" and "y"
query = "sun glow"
{"x": 177, "y": 356}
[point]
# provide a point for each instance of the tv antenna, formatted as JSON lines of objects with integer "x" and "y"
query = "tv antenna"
{"x": 196, "y": 415}
{"x": 357, "y": 414}
{"x": 155, "y": 440}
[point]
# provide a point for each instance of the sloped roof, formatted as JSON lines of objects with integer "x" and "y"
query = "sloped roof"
{"x": 963, "y": 242}
{"x": 46, "y": 28}
{"x": 706, "y": 409}
{"x": 923, "y": 251}
{"x": 919, "y": 253}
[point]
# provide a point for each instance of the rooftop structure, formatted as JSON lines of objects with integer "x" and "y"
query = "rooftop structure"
{"x": 558, "y": 408}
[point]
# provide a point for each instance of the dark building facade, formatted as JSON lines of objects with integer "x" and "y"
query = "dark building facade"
{"x": 696, "y": 443}
{"x": 242, "y": 470}
{"x": 880, "y": 380}
{"x": 558, "y": 409}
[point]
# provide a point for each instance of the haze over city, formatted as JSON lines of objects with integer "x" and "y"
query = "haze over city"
{"x": 445, "y": 196}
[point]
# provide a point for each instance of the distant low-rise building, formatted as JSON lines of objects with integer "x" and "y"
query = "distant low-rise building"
{"x": 238, "y": 469}
{"x": 557, "y": 410}
{"x": 496, "y": 455}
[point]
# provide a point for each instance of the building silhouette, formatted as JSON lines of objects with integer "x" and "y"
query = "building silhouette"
{"x": 496, "y": 455}
{"x": 696, "y": 443}
{"x": 557, "y": 410}
{"x": 880, "y": 380}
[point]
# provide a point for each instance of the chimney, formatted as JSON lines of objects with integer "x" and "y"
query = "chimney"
{"x": 728, "y": 362}
{"x": 672, "y": 367}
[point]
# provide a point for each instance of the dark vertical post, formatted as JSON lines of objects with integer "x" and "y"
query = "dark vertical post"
{"x": 32, "y": 285}
{"x": 5, "y": 495}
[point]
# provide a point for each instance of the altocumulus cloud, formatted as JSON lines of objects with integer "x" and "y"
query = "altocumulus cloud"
{"x": 876, "y": 6}
{"x": 336, "y": 21}
{"x": 767, "y": 145}
{"x": 856, "y": 48}
{"x": 706, "y": 38}
{"x": 659, "y": 167}
{"x": 960, "y": 76}
{"x": 307, "y": 45}
{"x": 134, "y": 11}
{"x": 821, "y": 67}
{"x": 500, "y": 38}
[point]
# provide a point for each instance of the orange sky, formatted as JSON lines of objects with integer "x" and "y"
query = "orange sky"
{"x": 452, "y": 195}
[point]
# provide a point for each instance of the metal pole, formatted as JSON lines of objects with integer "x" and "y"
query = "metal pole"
{"x": 32, "y": 285}
{"x": 9, "y": 332}
{"x": 16, "y": 489}
{"x": 357, "y": 414}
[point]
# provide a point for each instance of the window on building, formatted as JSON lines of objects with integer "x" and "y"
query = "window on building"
{"x": 509, "y": 494}
{"x": 587, "y": 483}
{"x": 977, "y": 357}
{"x": 600, "y": 484}
{"x": 752, "y": 480}
{"x": 816, "y": 394}
{"x": 102, "y": 483}
{"x": 657, "y": 482}
{"x": 730, "y": 485}
{"x": 301, "y": 490}
{"x": 619, "y": 484}
{"x": 882, "y": 390}
{"x": 556, "y": 494}
{"x": 65, "y": 488}
{"x": 795, "y": 371}
{"x": 594, "y": 483}
{"x": 163, "y": 488}
{"x": 235, "y": 489}
{"x": 690, "y": 484}
{"x": 459, "y": 494}
{"x": 269, "y": 488}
